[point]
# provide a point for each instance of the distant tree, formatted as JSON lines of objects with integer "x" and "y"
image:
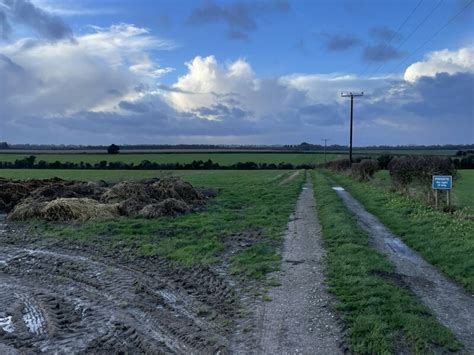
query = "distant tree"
{"x": 4, "y": 145}
{"x": 113, "y": 149}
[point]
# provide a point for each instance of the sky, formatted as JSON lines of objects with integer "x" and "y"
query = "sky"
{"x": 236, "y": 71}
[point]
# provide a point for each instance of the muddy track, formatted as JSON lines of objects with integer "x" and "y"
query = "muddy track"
{"x": 55, "y": 301}
{"x": 450, "y": 303}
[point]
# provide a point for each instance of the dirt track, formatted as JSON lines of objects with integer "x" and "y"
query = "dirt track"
{"x": 450, "y": 303}
{"x": 298, "y": 319}
{"x": 59, "y": 302}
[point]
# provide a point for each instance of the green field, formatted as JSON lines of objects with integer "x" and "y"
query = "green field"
{"x": 107, "y": 175}
{"x": 164, "y": 158}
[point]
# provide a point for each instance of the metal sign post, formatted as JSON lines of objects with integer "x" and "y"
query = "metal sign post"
{"x": 442, "y": 182}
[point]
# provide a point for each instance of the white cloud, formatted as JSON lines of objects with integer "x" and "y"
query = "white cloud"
{"x": 209, "y": 83}
{"x": 95, "y": 72}
{"x": 444, "y": 61}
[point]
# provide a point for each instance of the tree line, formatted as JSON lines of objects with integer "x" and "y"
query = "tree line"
{"x": 31, "y": 163}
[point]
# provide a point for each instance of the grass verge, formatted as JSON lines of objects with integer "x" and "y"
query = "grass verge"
{"x": 444, "y": 240}
{"x": 381, "y": 316}
{"x": 247, "y": 201}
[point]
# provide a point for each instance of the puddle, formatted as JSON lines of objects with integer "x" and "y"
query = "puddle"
{"x": 338, "y": 188}
{"x": 401, "y": 248}
{"x": 6, "y": 324}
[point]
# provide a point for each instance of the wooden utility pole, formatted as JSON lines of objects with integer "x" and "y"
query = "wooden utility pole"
{"x": 325, "y": 142}
{"x": 351, "y": 95}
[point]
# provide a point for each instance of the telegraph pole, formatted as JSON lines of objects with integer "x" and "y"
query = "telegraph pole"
{"x": 325, "y": 141}
{"x": 351, "y": 95}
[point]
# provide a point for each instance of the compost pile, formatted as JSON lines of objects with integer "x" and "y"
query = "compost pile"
{"x": 63, "y": 201}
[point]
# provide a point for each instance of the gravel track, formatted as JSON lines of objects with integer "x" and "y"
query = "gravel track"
{"x": 298, "y": 319}
{"x": 449, "y": 302}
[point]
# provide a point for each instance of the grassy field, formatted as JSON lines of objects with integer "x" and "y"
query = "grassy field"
{"x": 163, "y": 158}
{"x": 381, "y": 316}
{"x": 463, "y": 188}
{"x": 444, "y": 240}
{"x": 247, "y": 201}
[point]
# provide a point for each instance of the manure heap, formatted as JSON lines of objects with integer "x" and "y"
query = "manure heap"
{"x": 78, "y": 201}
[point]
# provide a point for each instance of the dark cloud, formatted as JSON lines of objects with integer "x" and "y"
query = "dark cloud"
{"x": 443, "y": 96}
{"x": 339, "y": 42}
{"x": 322, "y": 114}
{"x": 173, "y": 89}
{"x": 45, "y": 24}
{"x": 240, "y": 17}
{"x": 137, "y": 107}
{"x": 5, "y": 28}
{"x": 221, "y": 111}
{"x": 380, "y": 53}
{"x": 383, "y": 34}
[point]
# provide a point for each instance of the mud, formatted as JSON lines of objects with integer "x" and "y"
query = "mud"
{"x": 298, "y": 318}
{"x": 59, "y": 298}
{"x": 449, "y": 302}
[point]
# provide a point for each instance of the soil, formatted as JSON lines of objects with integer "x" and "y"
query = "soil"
{"x": 298, "y": 318}
{"x": 449, "y": 302}
{"x": 59, "y": 298}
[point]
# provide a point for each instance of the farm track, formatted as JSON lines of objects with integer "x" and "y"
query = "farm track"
{"x": 290, "y": 178}
{"x": 298, "y": 319}
{"x": 449, "y": 302}
{"x": 53, "y": 300}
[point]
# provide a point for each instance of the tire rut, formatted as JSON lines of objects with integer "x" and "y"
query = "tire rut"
{"x": 56, "y": 302}
{"x": 449, "y": 302}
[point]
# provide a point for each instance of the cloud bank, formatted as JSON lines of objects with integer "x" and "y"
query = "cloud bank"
{"x": 107, "y": 86}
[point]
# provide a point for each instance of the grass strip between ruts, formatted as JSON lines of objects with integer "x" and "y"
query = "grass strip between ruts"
{"x": 381, "y": 315}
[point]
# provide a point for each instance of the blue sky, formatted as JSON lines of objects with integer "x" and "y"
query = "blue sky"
{"x": 265, "y": 72}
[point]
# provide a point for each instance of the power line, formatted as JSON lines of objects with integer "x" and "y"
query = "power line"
{"x": 433, "y": 36}
{"x": 412, "y": 32}
{"x": 397, "y": 32}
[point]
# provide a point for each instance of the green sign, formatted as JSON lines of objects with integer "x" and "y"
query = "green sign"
{"x": 442, "y": 182}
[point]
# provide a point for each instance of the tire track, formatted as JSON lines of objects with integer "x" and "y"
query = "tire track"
{"x": 58, "y": 302}
{"x": 449, "y": 302}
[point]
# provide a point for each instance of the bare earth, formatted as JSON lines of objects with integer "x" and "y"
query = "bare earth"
{"x": 56, "y": 299}
{"x": 450, "y": 303}
{"x": 298, "y": 319}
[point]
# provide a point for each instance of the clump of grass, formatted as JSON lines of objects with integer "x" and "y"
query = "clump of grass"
{"x": 381, "y": 316}
{"x": 256, "y": 261}
{"x": 445, "y": 240}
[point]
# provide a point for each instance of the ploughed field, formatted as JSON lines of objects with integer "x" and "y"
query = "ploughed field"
{"x": 160, "y": 284}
